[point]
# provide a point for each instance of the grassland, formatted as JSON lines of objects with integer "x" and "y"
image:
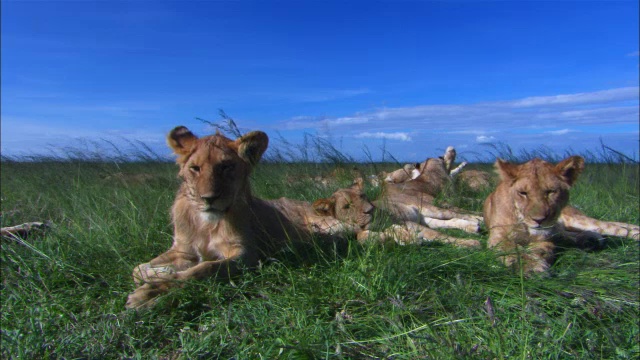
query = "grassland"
{"x": 63, "y": 291}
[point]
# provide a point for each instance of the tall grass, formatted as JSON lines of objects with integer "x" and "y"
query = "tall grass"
{"x": 63, "y": 290}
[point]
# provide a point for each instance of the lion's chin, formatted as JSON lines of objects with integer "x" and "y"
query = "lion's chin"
{"x": 211, "y": 215}
{"x": 541, "y": 230}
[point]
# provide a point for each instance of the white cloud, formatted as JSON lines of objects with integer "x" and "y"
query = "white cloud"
{"x": 560, "y": 132}
{"x": 611, "y": 107}
{"x": 597, "y": 97}
{"x": 381, "y": 135}
{"x": 529, "y": 122}
{"x": 307, "y": 122}
{"x": 28, "y": 136}
{"x": 468, "y": 132}
{"x": 348, "y": 120}
{"x": 483, "y": 139}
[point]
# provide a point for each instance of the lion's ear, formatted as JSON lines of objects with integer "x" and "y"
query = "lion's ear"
{"x": 181, "y": 140}
{"x": 251, "y": 146}
{"x": 506, "y": 170}
{"x": 570, "y": 168}
{"x": 358, "y": 183}
{"x": 324, "y": 207}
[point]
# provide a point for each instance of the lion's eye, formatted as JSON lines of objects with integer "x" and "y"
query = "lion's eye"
{"x": 551, "y": 192}
{"x": 522, "y": 193}
{"x": 346, "y": 206}
{"x": 194, "y": 168}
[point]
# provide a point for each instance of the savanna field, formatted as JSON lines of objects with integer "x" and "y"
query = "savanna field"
{"x": 63, "y": 289}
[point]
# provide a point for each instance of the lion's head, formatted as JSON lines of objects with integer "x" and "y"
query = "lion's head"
{"x": 539, "y": 190}
{"x": 215, "y": 168}
{"x": 348, "y": 205}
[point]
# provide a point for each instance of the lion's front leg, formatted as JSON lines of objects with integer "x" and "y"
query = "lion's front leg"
{"x": 145, "y": 273}
{"x": 575, "y": 221}
{"x": 146, "y": 294}
{"x": 530, "y": 255}
{"x": 538, "y": 256}
{"x": 435, "y": 217}
{"x": 221, "y": 270}
{"x": 412, "y": 233}
{"x": 167, "y": 263}
{"x": 426, "y": 234}
{"x": 462, "y": 224}
{"x": 435, "y": 212}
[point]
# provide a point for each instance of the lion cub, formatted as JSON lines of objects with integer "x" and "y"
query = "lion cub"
{"x": 413, "y": 200}
{"x": 408, "y": 196}
{"x": 527, "y": 213}
{"x": 346, "y": 211}
{"x": 219, "y": 227}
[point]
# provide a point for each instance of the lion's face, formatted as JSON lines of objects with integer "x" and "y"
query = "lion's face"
{"x": 215, "y": 169}
{"x": 348, "y": 205}
{"x": 539, "y": 190}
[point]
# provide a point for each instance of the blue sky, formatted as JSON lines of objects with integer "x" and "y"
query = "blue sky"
{"x": 410, "y": 76}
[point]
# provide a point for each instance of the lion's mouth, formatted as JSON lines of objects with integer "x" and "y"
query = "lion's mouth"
{"x": 213, "y": 210}
{"x": 365, "y": 224}
{"x": 534, "y": 225}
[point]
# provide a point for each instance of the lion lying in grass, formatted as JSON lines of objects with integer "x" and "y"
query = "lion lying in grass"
{"x": 410, "y": 204}
{"x": 527, "y": 213}
{"x": 413, "y": 200}
{"x": 346, "y": 211}
{"x": 219, "y": 227}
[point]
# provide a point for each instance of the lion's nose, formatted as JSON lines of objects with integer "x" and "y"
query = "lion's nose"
{"x": 539, "y": 219}
{"x": 368, "y": 208}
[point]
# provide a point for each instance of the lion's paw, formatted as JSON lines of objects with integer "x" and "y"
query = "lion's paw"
{"x": 145, "y": 296}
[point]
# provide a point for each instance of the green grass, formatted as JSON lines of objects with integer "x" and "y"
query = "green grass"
{"x": 63, "y": 291}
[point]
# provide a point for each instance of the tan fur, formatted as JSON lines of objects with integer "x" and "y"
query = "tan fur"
{"x": 449, "y": 157}
{"x": 401, "y": 175}
{"x": 345, "y": 211}
{"x": 410, "y": 205}
{"x": 527, "y": 213}
{"x": 408, "y": 232}
{"x": 413, "y": 200}
{"x": 410, "y": 202}
{"x": 219, "y": 227}
{"x": 475, "y": 180}
{"x": 442, "y": 167}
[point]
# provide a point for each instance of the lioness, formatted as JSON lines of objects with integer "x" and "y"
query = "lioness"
{"x": 410, "y": 204}
{"x": 346, "y": 211}
{"x": 220, "y": 227}
{"x": 413, "y": 200}
{"x": 405, "y": 173}
{"x": 475, "y": 180}
{"x": 527, "y": 212}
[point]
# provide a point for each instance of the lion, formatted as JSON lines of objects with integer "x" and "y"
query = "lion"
{"x": 411, "y": 207}
{"x": 405, "y": 173}
{"x": 475, "y": 180}
{"x": 220, "y": 227}
{"x": 413, "y": 200}
{"x": 346, "y": 211}
{"x": 527, "y": 214}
